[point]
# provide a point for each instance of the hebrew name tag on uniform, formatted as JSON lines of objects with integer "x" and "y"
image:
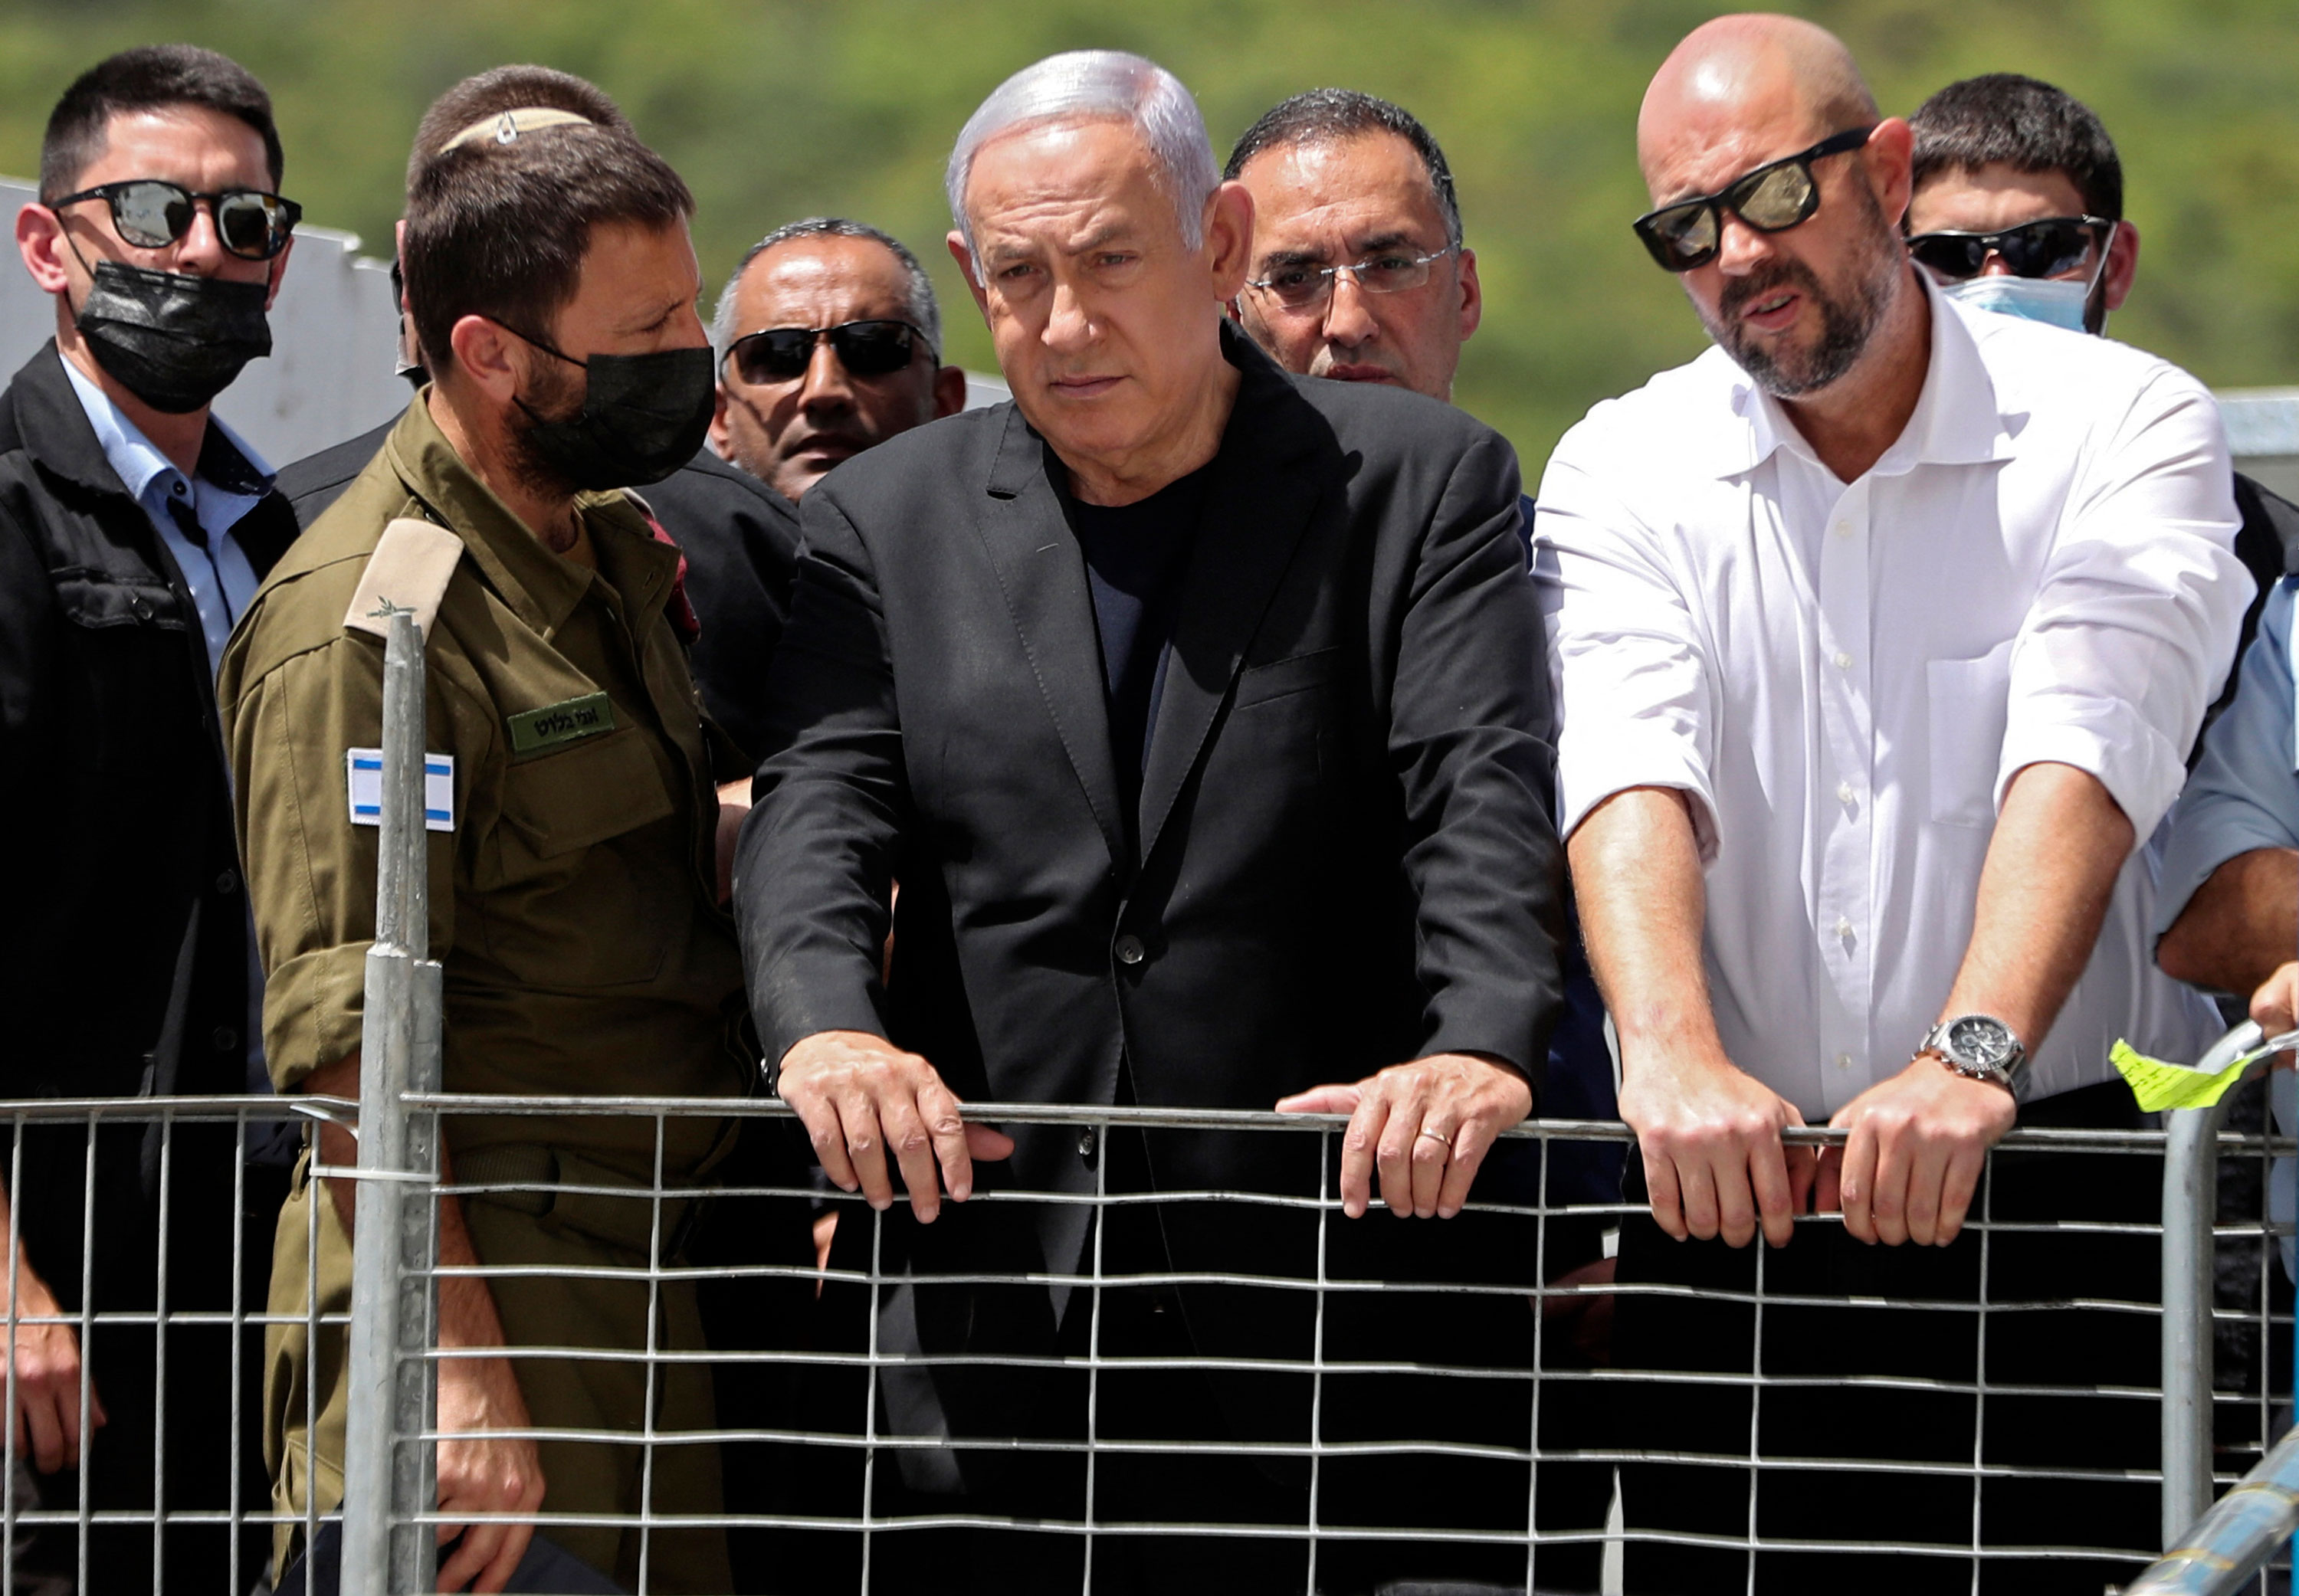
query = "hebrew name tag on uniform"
{"x": 555, "y": 724}
{"x": 363, "y": 775}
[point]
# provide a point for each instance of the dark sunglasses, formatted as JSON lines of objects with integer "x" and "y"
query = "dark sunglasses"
{"x": 152, "y": 214}
{"x": 865, "y": 348}
{"x": 1776, "y": 197}
{"x": 2035, "y": 249}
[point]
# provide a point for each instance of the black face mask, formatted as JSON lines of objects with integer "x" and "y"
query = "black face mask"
{"x": 642, "y": 418}
{"x": 173, "y": 341}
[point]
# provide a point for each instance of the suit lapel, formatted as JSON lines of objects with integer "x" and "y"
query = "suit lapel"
{"x": 1042, "y": 576}
{"x": 1256, "y": 508}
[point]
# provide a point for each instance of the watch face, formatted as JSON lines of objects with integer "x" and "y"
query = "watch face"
{"x": 1980, "y": 1039}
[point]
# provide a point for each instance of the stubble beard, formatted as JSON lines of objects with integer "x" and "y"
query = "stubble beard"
{"x": 1848, "y": 320}
{"x": 552, "y": 395}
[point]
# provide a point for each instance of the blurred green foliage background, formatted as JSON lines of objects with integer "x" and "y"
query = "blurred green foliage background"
{"x": 775, "y": 109}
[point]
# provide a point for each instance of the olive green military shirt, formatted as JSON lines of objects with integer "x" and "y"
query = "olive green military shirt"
{"x": 573, "y": 901}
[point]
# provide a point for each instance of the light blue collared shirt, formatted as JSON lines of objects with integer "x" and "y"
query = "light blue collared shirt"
{"x": 2245, "y": 791}
{"x": 219, "y": 577}
{"x": 2245, "y": 796}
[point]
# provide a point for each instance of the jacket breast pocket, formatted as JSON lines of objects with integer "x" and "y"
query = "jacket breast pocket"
{"x": 588, "y": 865}
{"x": 133, "y": 661}
{"x": 1970, "y": 711}
{"x": 1283, "y": 678}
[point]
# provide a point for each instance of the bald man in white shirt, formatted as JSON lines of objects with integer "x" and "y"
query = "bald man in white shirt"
{"x": 1879, "y": 633}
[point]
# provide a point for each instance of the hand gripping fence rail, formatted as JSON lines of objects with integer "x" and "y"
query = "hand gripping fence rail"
{"x": 854, "y": 1431}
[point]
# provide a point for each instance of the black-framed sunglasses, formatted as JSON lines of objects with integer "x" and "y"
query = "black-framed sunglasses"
{"x": 152, "y": 213}
{"x": 865, "y": 348}
{"x": 1776, "y": 197}
{"x": 2044, "y": 248}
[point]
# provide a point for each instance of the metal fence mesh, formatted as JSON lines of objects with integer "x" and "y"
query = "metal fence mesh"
{"x": 841, "y": 1435}
{"x": 845, "y": 1466}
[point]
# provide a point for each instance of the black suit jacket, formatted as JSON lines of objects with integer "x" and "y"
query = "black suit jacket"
{"x": 1348, "y": 856}
{"x": 317, "y": 481}
{"x": 739, "y": 538}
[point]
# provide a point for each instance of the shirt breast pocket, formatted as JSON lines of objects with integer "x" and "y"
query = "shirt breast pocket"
{"x": 589, "y": 867}
{"x": 1970, "y": 711}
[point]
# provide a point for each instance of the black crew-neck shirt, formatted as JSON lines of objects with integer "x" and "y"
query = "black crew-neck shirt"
{"x": 1135, "y": 555}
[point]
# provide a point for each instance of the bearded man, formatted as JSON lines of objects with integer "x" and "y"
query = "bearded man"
{"x": 1881, "y": 631}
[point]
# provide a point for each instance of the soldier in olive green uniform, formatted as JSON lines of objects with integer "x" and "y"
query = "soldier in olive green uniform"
{"x": 574, "y": 887}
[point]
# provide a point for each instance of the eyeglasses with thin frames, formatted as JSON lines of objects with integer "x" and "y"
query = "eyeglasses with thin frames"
{"x": 1303, "y": 286}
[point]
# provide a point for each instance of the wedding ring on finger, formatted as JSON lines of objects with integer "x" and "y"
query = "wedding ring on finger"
{"x": 1435, "y": 1135}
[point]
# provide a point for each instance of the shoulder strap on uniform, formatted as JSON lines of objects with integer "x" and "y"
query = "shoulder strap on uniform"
{"x": 408, "y": 573}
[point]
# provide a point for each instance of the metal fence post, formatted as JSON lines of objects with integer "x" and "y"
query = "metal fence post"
{"x": 388, "y": 1470}
{"x": 2191, "y": 1181}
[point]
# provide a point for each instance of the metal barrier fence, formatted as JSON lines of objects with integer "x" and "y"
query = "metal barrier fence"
{"x": 910, "y": 1425}
{"x": 150, "y": 1222}
{"x": 1419, "y": 1398}
{"x": 1538, "y": 1376}
{"x": 203, "y": 1331}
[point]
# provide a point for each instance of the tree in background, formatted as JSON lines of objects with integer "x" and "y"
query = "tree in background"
{"x": 775, "y": 109}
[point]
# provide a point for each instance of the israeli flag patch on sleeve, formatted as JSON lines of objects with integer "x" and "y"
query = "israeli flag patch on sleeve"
{"x": 363, "y": 777}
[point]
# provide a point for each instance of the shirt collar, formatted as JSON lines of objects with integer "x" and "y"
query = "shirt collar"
{"x": 542, "y": 589}
{"x": 226, "y": 461}
{"x": 1958, "y": 419}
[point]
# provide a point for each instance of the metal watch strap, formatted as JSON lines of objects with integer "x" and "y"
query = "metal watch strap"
{"x": 1936, "y": 1043}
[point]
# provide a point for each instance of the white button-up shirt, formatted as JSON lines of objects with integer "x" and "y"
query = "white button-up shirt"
{"x": 1843, "y": 677}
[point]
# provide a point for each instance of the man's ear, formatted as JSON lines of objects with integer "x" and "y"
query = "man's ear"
{"x": 1472, "y": 294}
{"x": 2122, "y": 265}
{"x": 278, "y": 273}
{"x": 948, "y": 391}
{"x": 484, "y": 355}
{"x": 40, "y": 240}
{"x": 1889, "y": 158}
{"x": 961, "y": 252}
{"x": 1229, "y": 239}
{"x": 721, "y": 437}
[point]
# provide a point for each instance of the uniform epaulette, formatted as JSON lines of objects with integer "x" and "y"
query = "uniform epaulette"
{"x": 408, "y": 572}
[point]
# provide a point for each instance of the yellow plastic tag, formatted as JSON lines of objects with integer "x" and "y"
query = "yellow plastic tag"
{"x": 2160, "y": 1086}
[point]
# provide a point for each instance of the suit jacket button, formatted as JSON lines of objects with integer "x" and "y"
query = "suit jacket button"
{"x": 1085, "y": 1143}
{"x": 225, "y": 1038}
{"x": 228, "y": 883}
{"x": 1129, "y": 950}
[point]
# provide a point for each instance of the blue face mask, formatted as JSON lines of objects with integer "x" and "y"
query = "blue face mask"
{"x": 2046, "y": 299}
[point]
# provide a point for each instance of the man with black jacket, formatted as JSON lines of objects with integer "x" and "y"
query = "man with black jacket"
{"x": 134, "y": 528}
{"x": 1196, "y": 709}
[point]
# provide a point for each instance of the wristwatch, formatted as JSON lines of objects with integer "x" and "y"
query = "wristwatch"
{"x": 1978, "y": 1045}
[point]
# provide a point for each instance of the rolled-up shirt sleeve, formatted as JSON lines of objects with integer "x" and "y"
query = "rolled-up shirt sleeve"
{"x": 311, "y": 869}
{"x": 1628, "y": 668}
{"x": 2135, "y": 620}
{"x": 2244, "y": 793}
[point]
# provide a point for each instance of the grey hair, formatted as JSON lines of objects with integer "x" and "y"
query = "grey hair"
{"x": 924, "y": 311}
{"x": 1079, "y": 85}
